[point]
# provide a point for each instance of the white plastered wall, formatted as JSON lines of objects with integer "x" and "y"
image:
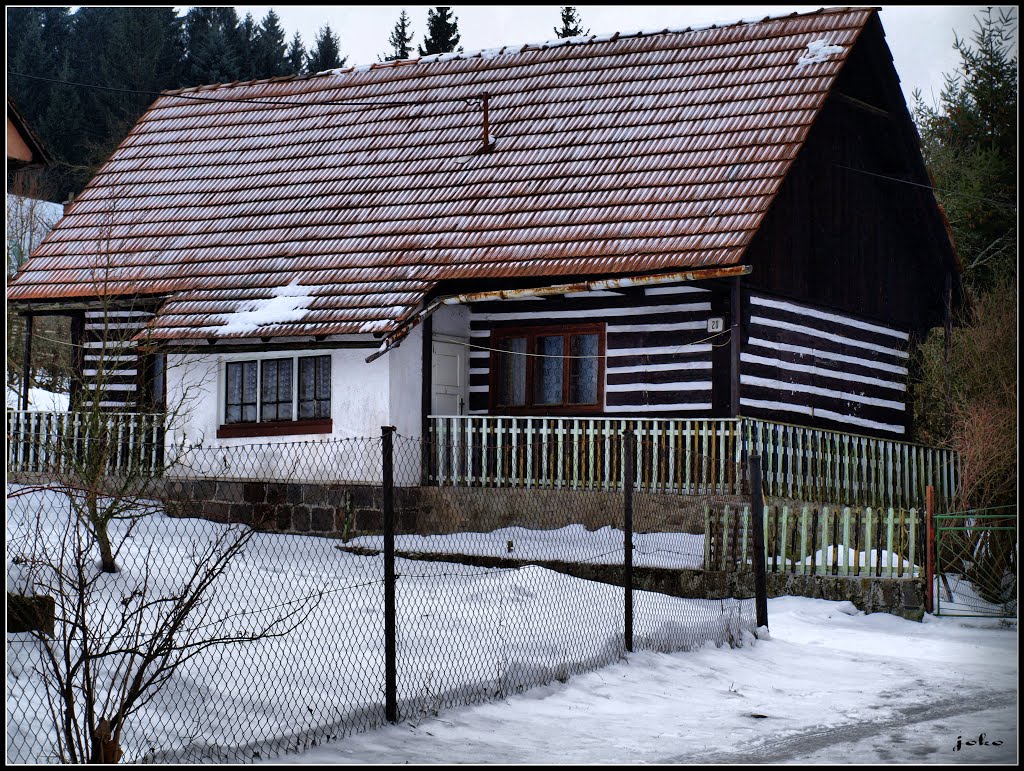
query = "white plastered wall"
{"x": 364, "y": 397}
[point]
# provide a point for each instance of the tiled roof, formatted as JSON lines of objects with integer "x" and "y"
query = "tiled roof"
{"x": 611, "y": 156}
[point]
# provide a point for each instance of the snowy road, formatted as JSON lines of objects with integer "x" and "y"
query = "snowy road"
{"x": 832, "y": 685}
{"x": 921, "y": 732}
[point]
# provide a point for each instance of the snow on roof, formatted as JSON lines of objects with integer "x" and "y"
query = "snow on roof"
{"x": 644, "y": 153}
{"x": 819, "y": 51}
{"x": 286, "y": 303}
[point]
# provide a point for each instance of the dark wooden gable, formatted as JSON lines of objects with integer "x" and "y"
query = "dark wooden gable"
{"x": 840, "y": 235}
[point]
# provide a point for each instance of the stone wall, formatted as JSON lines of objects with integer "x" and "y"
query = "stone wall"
{"x": 439, "y": 510}
{"x": 333, "y": 510}
{"x": 346, "y": 510}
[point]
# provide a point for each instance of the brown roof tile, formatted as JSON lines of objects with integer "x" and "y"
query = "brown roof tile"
{"x": 646, "y": 152}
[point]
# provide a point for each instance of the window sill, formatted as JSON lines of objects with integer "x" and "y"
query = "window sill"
{"x": 276, "y": 428}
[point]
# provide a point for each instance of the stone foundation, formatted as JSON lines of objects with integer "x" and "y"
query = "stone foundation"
{"x": 346, "y": 510}
{"x": 332, "y": 510}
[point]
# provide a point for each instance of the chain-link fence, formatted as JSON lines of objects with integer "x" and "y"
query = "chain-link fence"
{"x": 216, "y": 639}
{"x": 976, "y": 562}
{"x": 266, "y": 598}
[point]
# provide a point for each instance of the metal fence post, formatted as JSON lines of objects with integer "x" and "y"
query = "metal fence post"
{"x": 390, "y": 663}
{"x": 757, "y": 523}
{"x": 929, "y": 549}
{"x": 629, "y": 457}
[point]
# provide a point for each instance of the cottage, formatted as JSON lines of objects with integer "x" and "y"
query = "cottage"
{"x": 710, "y": 222}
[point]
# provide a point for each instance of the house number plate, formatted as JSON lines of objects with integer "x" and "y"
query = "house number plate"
{"x": 716, "y": 324}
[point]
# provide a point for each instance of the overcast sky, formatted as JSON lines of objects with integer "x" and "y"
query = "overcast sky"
{"x": 920, "y": 37}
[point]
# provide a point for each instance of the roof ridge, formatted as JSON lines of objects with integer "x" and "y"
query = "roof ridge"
{"x": 518, "y": 48}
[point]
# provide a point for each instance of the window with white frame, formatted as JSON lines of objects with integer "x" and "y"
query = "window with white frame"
{"x": 277, "y": 390}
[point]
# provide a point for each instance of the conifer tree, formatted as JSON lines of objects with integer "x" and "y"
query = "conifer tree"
{"x": 326, "y": 52}
{"x": 966, "y": 395}
{"x": 245, "y": 41}
{"x": 400, "y": 40}
{"x": 210, "y": 46}
{"x": 970, "y": 144}
{"x": 30, "y": 53}
{"x": 271, "y": 50}
{"x": 572, "y": 25}
{"x": 139, "y": 50}
{"x": 296, "y": 55}
{"x": 442, "y": 32}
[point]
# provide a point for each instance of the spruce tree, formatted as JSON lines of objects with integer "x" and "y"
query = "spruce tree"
{"x": 38, "y": 43}
{"x": 401, "y": 37}
{"x": 28, "y": 54}
{"x": 137, "y": 49}
{"x": 970, "y": 144}
{"x": 442, "y": 32}
{"x": 210, "y": 47}
{"x": 270, "y": 48}
{"x": 572, "y": 25}
{"x": 966, "y": 396}
{"x": 245, "y": 51}
{"x": 63, "y": 122}
{"x": 296, "y": 55}
{"x": 326, "y": 52}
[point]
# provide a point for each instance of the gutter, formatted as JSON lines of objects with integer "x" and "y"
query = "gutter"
{"x": 395, "y": 339}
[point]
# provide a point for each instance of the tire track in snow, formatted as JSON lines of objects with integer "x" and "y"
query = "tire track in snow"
{"x": 813, "y": 740}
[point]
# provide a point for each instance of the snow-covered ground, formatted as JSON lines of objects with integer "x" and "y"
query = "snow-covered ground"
{"x": 464, "y": 633}
{"x": 832, "y": 685}
{"x": 38, "y": 399}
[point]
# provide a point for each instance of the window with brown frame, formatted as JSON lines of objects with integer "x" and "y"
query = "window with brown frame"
{"x": 276, "y": 397}
{"x": 548, "y": 369}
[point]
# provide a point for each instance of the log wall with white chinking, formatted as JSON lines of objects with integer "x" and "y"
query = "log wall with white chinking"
{"x": 811, "y": 366}
{"x": 110, "y": 358}
{"x": 659, "y": 357}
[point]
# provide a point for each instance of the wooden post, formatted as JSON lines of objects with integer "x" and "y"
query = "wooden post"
{"x": 426, "y": 399}
{"x": 26, "y": 367}
{"x": 757, "y": 522}
{"x": 390, "y": 646}
{"x": 77, "y": 359}
{"x": 947, "y": 327}
{"x": 628, "y": 449}
{"x": 734, "y": 348}
{"x": 929, "y": 549}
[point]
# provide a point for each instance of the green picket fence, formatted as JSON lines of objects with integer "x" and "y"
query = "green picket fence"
{"x": 53, "y": 442}
{"x": 813, "y": 464}
{"x": 827, "y": 540}
{"x": 687, "y": 456}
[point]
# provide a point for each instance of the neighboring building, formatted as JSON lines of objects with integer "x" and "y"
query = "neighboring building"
{"x": 687, "y": 223}
{"x": 24, "y": 148}
{"x": 28, "y": 218}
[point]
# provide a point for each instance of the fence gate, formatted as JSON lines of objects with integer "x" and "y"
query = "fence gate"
{"x": 976, "y": 563}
